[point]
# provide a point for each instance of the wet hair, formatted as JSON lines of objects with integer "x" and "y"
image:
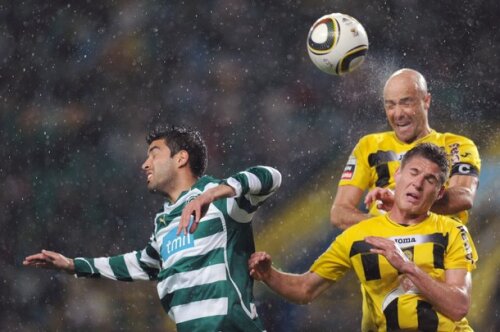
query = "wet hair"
{"x": 179, "y": 138}
{"x": 432, "y": 153}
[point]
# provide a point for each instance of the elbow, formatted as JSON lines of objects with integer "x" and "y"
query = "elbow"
{"x": 459, "y": 313}
{"x": 305, "y": 294}
{"x": 307, "y": 297}
{"x": 336, "y": 220}
{"x": 469, "y": 203}
{"x": 459, "y": 310}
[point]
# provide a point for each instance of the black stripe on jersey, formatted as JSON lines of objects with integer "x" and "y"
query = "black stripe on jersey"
{"x": 383, "y": 175}
{"x": 379, "y": 160}
{"x": 381, "y": 157}
{"x": 439, "y": 239}
{"x": 359, "y": 247}
{"x": 369, "y": 260}
{"x": 391, "y": 316}
{"x": 427, "y": 318}
{"x": 464, "y": 169}
{"x": 371, "y": 267}
{"x": 438, "y": 254}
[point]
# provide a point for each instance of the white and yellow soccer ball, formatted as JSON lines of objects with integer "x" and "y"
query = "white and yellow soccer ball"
{"x": 337, "y": 43}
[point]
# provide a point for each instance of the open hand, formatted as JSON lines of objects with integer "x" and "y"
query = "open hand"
{"x": 383, "y": 196}
{"x": 259, "y": 265}
{"x": 50, "y": 260}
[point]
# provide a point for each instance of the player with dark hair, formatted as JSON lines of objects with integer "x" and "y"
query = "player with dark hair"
{"x": 376, "y": 157}
{"x": 200, "y": 261}
{"x": 414, "y": 265}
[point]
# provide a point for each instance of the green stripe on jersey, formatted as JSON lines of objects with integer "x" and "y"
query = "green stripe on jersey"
{"x": 186, "y": 264}
{"x": 151, "y": 271}
{"x": 120, "y": 270}
{"x": 152, "y": 252}
{"x": 84, "y": 267}
{"x": 208, "y": 227}
{"x": 204, "y": 181}
{"x": 243, "y": 180}
{"x": 265, "y": 177}
{"x": 245, "y": 204}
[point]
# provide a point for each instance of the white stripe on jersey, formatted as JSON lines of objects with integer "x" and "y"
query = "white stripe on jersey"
{"x": 133, "y": 267}
{"x": 102, "y": 265}
{"x": 148, "y": 260}
{"x": 199, "y": 309}
{"x": 254, "y": 184}
{"x": 236, "y": 213}
{"x": 198, "y": 277}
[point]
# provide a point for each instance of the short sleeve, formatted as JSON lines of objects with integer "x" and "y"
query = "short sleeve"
{"x": 461, "y": 252}
{"x": 334, "y": 262}
{"x": 357, "y": 170}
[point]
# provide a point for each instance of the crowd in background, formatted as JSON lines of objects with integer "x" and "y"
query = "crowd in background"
{"x": 82, "y": 81}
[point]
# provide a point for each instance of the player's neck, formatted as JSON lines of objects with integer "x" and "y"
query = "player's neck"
{"x": 406, "y": 218}
{"x": 181, "y": 184}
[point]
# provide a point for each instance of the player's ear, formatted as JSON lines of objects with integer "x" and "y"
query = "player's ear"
{"x": 441, "y": 192}
{"x": 427, "y": 101}
{"x": 182, "y": 158}
{"x": 397, "y": 173}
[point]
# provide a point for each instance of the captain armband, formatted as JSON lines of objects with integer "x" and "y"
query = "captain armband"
{"x": 464, "y": 169}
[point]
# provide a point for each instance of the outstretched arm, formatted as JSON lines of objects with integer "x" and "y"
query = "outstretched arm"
{"x": 50, "y": 260}
{"x": 135, "y": 265}
{"x": 451, "y": 297}
{"x": 344, "y": 212}
{"x": 298, "y": 288}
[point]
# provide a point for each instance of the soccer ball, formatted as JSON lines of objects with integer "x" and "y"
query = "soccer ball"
{"x": 337, "y": 43}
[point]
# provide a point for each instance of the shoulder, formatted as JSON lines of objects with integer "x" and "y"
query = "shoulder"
{"x": 446, "y": 223}
{"x": 205, "y": 182}
{"x": 450, "y": 138}
{"x": 377, "y": 137}
{"x": 364, "y": 227}
{"x": 374, "y": 141}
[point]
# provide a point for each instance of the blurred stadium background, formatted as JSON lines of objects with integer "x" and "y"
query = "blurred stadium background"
{"x": 80, "y": 81}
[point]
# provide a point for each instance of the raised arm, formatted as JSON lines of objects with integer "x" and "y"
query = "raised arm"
{"x": 459, "y": 196}
{"x": 199, "y": 206}
{"x": 344, "y": 212}
{"x": 297, "y": 288}
{"x": 250, "y": 189}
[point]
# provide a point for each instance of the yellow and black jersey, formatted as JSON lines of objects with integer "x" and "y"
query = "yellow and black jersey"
{"x": 435, "y": 245}
{"x": 376, "y": 158}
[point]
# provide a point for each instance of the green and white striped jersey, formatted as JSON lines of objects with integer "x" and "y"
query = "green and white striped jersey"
{"x": 203, "y": 279}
